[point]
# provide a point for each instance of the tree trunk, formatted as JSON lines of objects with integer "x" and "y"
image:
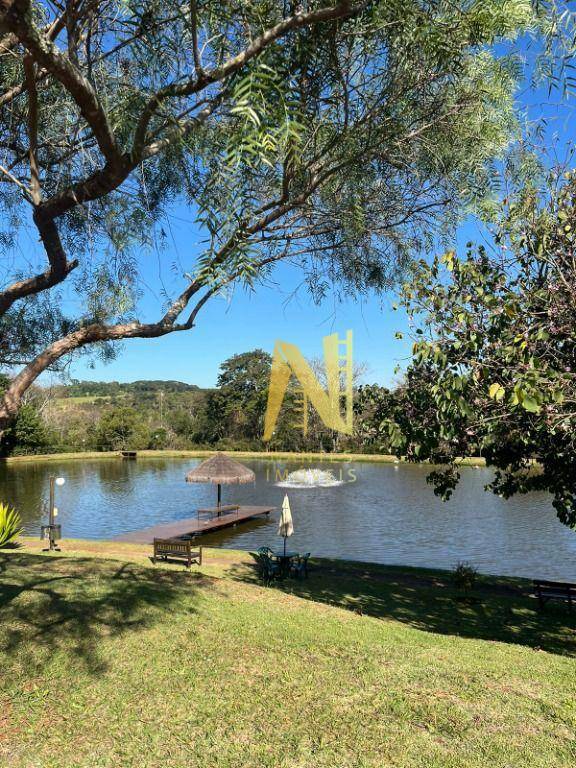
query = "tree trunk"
{"x": 13, "y": 396}
{"x": 5, "y": 420}
{"x": 89, "y": 334}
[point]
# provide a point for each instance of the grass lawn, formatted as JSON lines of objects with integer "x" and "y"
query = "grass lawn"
{"x": 109, "y": 661}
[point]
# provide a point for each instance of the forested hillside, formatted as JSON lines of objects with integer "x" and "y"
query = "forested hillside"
{"x": 109, "y": 416}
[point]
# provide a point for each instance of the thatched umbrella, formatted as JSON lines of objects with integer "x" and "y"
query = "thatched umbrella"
{"x": 220, "y": 470}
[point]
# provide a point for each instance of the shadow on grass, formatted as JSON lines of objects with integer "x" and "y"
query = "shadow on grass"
{"x": 52, "y": 604}
{"x": 498, "y": 608}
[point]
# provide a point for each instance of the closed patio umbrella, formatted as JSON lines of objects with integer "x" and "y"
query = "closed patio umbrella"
{"x": 286, "y": 526}
{"x": 220, "y": 470}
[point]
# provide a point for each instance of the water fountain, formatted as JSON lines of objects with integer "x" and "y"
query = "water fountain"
{"x": 310, "y": 478}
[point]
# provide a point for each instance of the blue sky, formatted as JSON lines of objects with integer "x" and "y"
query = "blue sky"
{"x": 250, "y": 320}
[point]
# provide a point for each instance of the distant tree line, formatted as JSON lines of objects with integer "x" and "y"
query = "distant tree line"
{"x": 109, "y": 416}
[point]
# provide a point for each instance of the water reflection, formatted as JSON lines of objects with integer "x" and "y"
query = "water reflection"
{"x": 382, "y": 513}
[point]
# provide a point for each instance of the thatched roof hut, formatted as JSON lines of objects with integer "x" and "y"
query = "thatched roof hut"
{"x": 220, "y": 470}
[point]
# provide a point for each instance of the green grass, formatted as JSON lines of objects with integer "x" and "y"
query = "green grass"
{"x": 113, "y": 662}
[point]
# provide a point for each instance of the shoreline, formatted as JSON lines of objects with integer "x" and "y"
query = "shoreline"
{"x": 218, "y": 559}
{"x": 375, "y": 458}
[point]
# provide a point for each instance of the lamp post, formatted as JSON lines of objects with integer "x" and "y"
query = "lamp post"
{"x": 52, "y": 529}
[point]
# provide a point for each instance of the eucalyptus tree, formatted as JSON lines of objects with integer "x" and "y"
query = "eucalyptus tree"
{"x": 335, "y": 133}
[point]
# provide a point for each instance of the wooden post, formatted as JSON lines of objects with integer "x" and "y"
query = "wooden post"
{"x": 51, "y": 508}
{"x": 51, "y": 539}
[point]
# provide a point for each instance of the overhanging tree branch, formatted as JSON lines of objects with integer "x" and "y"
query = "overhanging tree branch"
{"x": 342, "y": 10}
{"x": 16, "y": 18}
{"x": 336, "y": 150}
{"x": 58, "y": 271}
{"x": 30, "y": 75}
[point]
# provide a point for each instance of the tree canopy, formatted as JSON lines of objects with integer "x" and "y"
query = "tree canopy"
{"x": 236, "y": 409}
{"x": 121, "y": 428}
{"x": 494, "y": 366}
{"x": 337, "y": 135}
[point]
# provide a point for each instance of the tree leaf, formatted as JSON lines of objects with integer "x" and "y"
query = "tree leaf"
{"x": 496, "y": 391}
{"x": 530, "y": 404}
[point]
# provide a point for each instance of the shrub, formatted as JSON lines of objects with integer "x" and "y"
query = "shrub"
{"x": 464, "y": 577}
{"x": 10, "y": 524}
{"x": 27, "y": 434}
{"x": 159, "y": 439}
{"x": 121, "y": 428}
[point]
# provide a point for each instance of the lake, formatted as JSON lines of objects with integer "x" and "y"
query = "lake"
{"x": 384, "y": 513}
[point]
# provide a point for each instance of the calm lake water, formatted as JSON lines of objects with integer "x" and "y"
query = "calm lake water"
{"x": 383, "y": 512}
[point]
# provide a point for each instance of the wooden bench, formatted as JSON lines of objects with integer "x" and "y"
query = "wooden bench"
{"x": 554, "y": 590}
{"x": 224, "y": 508}
{"x": 179, "y": 549}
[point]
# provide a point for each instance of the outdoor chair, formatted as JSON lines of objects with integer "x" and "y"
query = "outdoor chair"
{"x": 265, "y": 551}
{"x": 299, "y": 567}
{"x": 268, "y": 569}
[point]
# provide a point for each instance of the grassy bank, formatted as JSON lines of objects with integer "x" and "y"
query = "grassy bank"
{"x": 109, "y": 661}
{"x": 269, "y": 455}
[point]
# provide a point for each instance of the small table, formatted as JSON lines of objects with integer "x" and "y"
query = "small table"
{"x": 285, "y": 560}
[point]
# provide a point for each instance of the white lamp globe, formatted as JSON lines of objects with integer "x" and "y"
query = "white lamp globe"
{"x": 60, "y": 481}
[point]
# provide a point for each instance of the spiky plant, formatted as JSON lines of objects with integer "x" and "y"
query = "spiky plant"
{"x": 10, "y": 524}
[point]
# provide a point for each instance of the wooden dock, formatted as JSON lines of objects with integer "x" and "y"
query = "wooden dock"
{"x": 193, "y": 526}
